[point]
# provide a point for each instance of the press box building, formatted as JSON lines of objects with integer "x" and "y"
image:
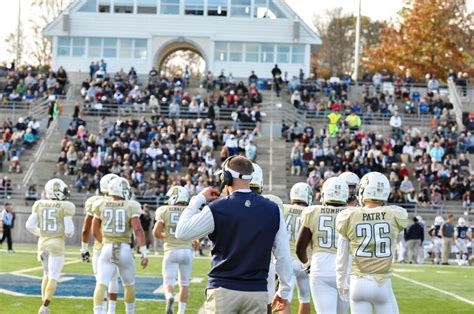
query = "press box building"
{"x": 235, "y": 35}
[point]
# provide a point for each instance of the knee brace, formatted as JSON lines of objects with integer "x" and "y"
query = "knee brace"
{"x": 129, "y": 294}
{"x": 50, "y": 289}
{"x": 99, "y": 293}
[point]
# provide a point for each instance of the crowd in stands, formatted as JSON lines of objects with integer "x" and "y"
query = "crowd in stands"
{"x": 25, "y": 86}
{"x": 152, "y": 154}
{"x": 162, "y": 96}
{"x": 15, "y": 139}
{"x": 424, "y": 169}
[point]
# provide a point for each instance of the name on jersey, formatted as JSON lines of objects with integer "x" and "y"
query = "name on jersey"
{"x": 331, "y": 210}
{"x": 114, "y": 203}
{"x": 373, "y": 216}
{"x": 297, "y": 211}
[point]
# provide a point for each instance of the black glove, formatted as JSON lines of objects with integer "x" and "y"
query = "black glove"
{"x": 85, "y": 257}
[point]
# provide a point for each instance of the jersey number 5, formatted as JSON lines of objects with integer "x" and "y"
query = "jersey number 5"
{"x": 378, "y": 234}
{"x": 326, "y": 224}
{"x": 174, "y": 218}
{"x": 114, "y": 220}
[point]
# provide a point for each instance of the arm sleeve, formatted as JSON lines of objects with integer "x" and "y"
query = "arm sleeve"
{"x": 283, "y": 264}
{"x": 342, "y": 261}
{"x": 194, "y": 224}
{"x": 68, "y": 226}
{"x": 32, "y": 224}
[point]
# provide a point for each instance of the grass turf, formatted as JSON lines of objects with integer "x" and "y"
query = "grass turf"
{"x": 411, "y": 298}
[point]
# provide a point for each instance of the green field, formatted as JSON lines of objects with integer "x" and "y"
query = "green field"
{"x": 412, "y": 298}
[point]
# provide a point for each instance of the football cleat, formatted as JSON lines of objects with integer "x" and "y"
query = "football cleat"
{"x": 169, "y": 306}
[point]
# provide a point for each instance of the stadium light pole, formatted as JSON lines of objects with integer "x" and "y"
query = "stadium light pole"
{"x": 18, "y": 33}
{"x": 357, "y": 43}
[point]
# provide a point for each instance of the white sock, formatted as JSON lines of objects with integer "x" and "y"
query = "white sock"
{"x": 112, "y": 305}
{"x": 104, "y": 307}
{"x": 130, "y": 308}
{"x": 168, "y": 295}
{"x": 98, "y": 309}
{"x": 181, "y": 307}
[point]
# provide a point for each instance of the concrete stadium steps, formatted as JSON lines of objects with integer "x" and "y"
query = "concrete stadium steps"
{"x": 273, "y": 165}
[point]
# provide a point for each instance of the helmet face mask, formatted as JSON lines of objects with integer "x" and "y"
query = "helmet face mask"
{"x": 353, "y": 182}
{"x": 301, "y": 192}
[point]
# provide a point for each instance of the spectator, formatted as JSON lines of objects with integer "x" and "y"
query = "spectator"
{"x": 145, "y": 221}
{"x": 353, "y": 121}
{"x": 6, "y": 188}
{"x": 15, "y": 164}
{"x": 437, "y": 152}
{"x": 396, "y": 122}
{"x": 447, "y": 235}
{"x": 8, "y": 220}
{"x": 414, "y": 236}
{"x": 277, "y": 81}
{"x": 251, "y": 151}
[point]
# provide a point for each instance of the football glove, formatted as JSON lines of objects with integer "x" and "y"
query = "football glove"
{"x": 85, "y": 257}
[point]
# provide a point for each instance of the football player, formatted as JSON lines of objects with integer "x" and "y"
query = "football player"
{"x": 113, "y": 223}
{"x": 462, "y": 240}
{"x": 86, "y": 230}
{"x": 435, "y": 233}
{"x": 178, "y": 255}
{"x": 421, "y": 253}
{"x": 352, "y": 181}
{"x": 256, "y": 185}
{"x": 369, "y": 234}
{"x": 319, "y": 230}
{"x": 51, "y": 221}
{"x": 301, "y": 196}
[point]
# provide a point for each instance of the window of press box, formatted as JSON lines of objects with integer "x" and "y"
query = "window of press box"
{"x": 89, "y": 6}
{"x": 194, "y": 7}
{"x": 240, "y": 8}
{"x": 104, "y": 6}
{"x": 123, "y": 6}
{"x": 169, "y": 7}
{"x": 217, "y": 7}
{"x": 146, "y": 6}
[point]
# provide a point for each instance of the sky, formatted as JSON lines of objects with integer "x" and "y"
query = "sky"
{"x": 306, "y": 9}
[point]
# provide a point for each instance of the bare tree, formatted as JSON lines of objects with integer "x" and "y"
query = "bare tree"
{"x": 47, "y": 10}
{"x": 12, "y": 46}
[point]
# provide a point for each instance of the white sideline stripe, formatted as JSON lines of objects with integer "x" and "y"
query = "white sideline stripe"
{"x": 15, "y": 294}
{"x": 28, "y": 270}
{"x": 435, "y": 289}
{"x": 76, "y": 254}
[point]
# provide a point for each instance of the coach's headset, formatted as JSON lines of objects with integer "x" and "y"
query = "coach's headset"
{"x": 227, "y": 175}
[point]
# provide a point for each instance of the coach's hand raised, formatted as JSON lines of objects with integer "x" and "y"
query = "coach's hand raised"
{"x": 211, "y": 194}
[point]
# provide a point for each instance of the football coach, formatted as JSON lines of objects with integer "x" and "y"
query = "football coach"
{"x": 245, "y": 229}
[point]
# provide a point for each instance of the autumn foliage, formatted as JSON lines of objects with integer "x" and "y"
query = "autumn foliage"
{"x": 431, "y": 36}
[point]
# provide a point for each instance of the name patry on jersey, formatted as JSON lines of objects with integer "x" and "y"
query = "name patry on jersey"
{"x": 51, "y": 215}
{"x": 373, "y": 234}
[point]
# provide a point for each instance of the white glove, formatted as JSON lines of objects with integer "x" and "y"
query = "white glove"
{"x": 1, "y": 235}
{"x": 343, "y": 290}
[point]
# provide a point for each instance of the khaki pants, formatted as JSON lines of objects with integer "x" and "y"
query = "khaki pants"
{"x": 446, "y": 245}
{"x": 223, "y": 301}
{"x": 413, "y": 248}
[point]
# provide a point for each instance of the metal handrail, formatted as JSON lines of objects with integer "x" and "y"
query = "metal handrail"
{"x": 79, "y": 200}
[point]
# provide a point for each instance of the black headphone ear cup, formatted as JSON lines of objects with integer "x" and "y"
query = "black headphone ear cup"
{"x": 227, "y": 178}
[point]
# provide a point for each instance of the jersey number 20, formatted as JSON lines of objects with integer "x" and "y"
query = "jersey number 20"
{"x": 114, "y": 220}
{"x": 378, "y": 233}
